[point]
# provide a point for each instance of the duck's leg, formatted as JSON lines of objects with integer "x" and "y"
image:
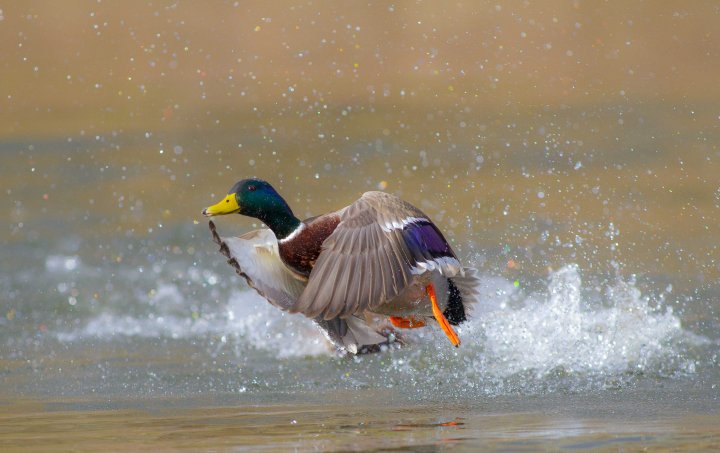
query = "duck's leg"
{"x": 411, "y": 322}
{"x": 444, "y": 324}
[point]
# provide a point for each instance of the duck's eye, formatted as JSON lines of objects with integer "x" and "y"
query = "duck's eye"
{"x": 251, "y": 188}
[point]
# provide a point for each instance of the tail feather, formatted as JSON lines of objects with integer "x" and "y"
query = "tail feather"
{"x": 455, "y": 311}
{"x": 464, "y": 291}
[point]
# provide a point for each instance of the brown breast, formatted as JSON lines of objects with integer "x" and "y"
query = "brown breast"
{"x": 302, "y": 250}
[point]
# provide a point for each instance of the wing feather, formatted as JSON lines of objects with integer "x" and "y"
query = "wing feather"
{"x": 371, "y": 257}
{"x": 340, "y": 290}
{"x": 368, "y": 292}
{"x": 355, "y": 284}
{"x": 384, "y": 266}
{"x": 255, "y": 256}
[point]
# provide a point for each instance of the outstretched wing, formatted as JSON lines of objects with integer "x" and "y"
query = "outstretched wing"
{"x": 255, "y": 256}
{"x": 380, "y": 245}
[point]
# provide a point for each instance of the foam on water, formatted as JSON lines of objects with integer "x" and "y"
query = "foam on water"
{"x": 557, "y": 329}
{"x": 247, "y": 319}
{"x": 510, "y": 333}
{"x": 62, "y": 263}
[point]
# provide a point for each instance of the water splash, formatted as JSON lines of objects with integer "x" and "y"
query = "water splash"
{"x": 559, "y": 330}
{"x": 62, "y": 263}
{"x": 247, "y": 320}
{"x": 512, "y": 342}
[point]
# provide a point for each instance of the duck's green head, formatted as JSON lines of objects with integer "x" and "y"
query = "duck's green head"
{"x": 251, "y": 197}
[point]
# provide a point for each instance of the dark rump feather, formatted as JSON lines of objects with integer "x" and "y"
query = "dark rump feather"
{"x": 455, "y": 311}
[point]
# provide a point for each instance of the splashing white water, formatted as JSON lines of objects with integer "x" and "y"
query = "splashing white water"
{"x": 263, "y": 326}
{"x": 558, "y": 330}
{"x": 508, "y": 333}
{"x": 62, "y": 263}
{"x": 247, "y": 319}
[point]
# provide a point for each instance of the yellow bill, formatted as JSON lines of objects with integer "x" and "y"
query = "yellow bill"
{"x": 227, "y": 205}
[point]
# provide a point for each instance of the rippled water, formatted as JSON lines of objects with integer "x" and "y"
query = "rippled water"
{"x": 567, "y": 150}
{"x": 114, "y": 325}
{"x": 149, "y": 332}
{"x": 563, "y": 333}
{"x": 182, "y": 355}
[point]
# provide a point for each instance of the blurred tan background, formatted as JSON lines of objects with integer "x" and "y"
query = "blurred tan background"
{"x": 539, "y": 132}
{"x": 134, "y": 63}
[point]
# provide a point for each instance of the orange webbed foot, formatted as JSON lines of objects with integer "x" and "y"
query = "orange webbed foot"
{"x": 411, "y": 322}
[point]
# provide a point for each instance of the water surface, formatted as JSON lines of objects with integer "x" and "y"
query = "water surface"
{"x": 567, "y": 151}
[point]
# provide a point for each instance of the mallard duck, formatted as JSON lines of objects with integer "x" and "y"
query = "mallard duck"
{"x": 380, "y": 255}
